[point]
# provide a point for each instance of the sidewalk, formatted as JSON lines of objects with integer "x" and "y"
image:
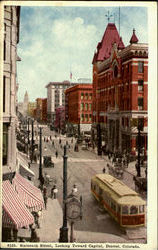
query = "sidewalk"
{"x": 51, "y": 222}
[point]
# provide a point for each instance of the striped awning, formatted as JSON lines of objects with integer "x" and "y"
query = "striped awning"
{"x": 31, "y": 195}
{"x": 25, "y": 171}
{"x": 14, "y": 213}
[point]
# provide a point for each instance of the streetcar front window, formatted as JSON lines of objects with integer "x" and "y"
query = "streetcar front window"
{"x": 141, "y": 209}
{"x": 133, "y": 210}
{"x": 125, "y": 210}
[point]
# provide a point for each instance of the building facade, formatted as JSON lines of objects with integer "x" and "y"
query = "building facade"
{"x": 60, "y": 119}
{"x": 78, "y": 108}
{"x": 25, "y": 104}
{"x": 120, "y": 90}
{"x": 11, "y": 39}
{"x": 31, "y": 107}
{"x": 56, "y": 97}
{"x": 41, "y": 109}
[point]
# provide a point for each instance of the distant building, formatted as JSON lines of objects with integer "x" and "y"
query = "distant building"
{"x": 120, "y": 90}
{"x": 60, "y": 118}
{"x": 41, "y": 109}
{"x": 56, "y": 97}
{"x": 78, "y": 108}
{"x": 31, "y": 107}
{"x": 10, "y": 57}
{"x": 25, "y": 104}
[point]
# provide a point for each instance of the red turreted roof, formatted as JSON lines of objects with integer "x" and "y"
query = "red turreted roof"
{"x": 134, "y": 38}
{"x": 104, "y": 47}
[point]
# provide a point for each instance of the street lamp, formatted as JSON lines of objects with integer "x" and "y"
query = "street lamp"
{"x": 99, "y": 139}
{"x": 64, "y": 228}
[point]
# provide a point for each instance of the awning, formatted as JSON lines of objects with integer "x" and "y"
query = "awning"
{"x": 31, "y": 195}
{"x": 15, "y": 214}
{"x": 25, "y": 171}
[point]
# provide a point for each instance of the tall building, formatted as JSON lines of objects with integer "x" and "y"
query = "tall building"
{"x": 78, "y": 108}
{"x": 120, "y": 89}
{"x": 56, "y": 97}
{"x": 25, "y": 104}
{"x": 11, "y": 38}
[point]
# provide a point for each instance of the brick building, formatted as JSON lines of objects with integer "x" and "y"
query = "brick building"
{"x": 60, "y": 118}
{"x": 78, "y": 107}
{"x": 120, "y": 90}
{"x": 41, "y": 109}
{"x": 31, "y": 107}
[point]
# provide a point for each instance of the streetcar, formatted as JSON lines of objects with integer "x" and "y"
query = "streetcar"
{"x": 121, "y": 202}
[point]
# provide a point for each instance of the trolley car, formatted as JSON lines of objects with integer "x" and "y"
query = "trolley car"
{"x": 121, "y": 202}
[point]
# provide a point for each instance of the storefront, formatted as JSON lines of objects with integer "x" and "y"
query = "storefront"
{"x": 15, "y": 215}
{"x": 5, "y": 143}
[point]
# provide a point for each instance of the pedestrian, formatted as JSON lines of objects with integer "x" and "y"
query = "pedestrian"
{"x": 104, "y": 170}
{"x": 44, "y": 139}
{"x": 56, "y": 153}
{"x": 29, "y": 164}
{"x": 72, "y": 140}
{"x": 45, "y": 200}
{"x": 50, "y": 138}
{"x": 54, "y": 192}
{"x": 34, "y": 237}
{"x": 52, "y": 143}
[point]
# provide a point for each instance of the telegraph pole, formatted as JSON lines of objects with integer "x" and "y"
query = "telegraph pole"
{"x": 28, "y": 136}
{"x": 40, "y": 160}
{"x": 64, "y": 228}
{"x": 32, "y": 140}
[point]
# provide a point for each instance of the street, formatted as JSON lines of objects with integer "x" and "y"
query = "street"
{"x": 81, "y": 167}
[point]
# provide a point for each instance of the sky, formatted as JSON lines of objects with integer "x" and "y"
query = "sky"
{"x": 55, "y": 41}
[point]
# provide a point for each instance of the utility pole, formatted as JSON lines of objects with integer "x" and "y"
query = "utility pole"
{"x": 32, "y": 140}
{"x": 40, "y": 160}
{"x": 64, "y": 228}
{"x": 28, "y": 136}
{"x": 139, "y": 147}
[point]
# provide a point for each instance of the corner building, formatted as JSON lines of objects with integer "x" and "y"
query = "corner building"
{"x": 120, "y": 90}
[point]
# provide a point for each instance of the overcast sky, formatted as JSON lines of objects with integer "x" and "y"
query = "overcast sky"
{"x": 57, "y": 40}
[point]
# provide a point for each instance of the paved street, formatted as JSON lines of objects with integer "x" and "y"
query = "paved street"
{"x": 82, "y": 166}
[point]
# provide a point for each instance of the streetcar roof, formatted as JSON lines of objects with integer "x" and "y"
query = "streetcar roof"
{"x": 116, "y": 185}
{"x": 131, "y": 200}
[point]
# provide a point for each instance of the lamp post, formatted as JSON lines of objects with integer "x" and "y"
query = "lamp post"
{"x": 28, "y": 136}
{"x": 139, "y": 148}
{"x": 40, "y": 160}
{"x": 32, "y": 140}
{"x": 64, "y": 228}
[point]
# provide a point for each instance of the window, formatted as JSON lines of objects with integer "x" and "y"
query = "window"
{"x": 90, "y": 118}
{"x": 140, "y": 85}
{"x": 90, "y": 96}
{"x": 4, "y": 55}
{"x": 125, "y": 210}
{"x": 82, "y": 117}
{"x": 140, "y": 67}
{"x": 82, "y": 106}
{"x": 115, "y": 71}
{"x": 90, "y": 106}
{"x": 86, "y": 117}
{"x": 86, "y": 96}
{"x": 141, "y": 209}
{"x": 86, "y": 106}
{"x": 140, "y": 103}
{"x": 4, "y": 90}
{"x": 133, "y": 210}
{"x": 82, "y": 95}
